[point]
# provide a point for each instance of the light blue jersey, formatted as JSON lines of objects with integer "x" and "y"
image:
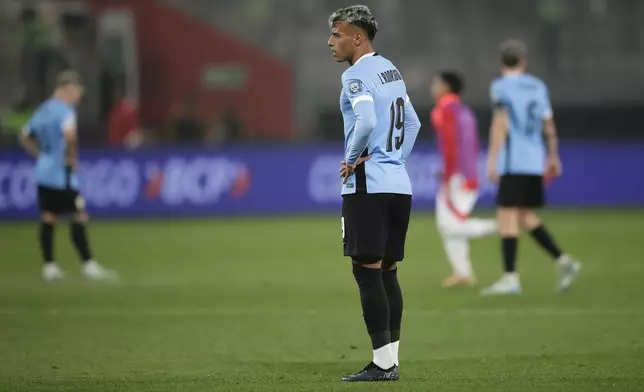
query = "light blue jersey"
{"x": 379, "y": 120}
{"x": 47, "y": 126}
{"x": 527, "y": 102}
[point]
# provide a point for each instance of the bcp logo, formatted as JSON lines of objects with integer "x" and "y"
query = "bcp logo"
{"x": 196, "y": 181}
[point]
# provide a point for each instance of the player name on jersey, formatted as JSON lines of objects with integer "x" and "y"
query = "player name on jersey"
{"x": 389, "y": 76}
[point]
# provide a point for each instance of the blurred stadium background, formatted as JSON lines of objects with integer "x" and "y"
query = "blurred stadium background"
{"x": 210, "y": 138}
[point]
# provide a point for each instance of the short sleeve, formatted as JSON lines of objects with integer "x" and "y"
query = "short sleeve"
{"x": 496, "y": 96}
{"x": 547, "y": 106}
{"x": 69, "y": 122}
{"x": 356, "y": 89}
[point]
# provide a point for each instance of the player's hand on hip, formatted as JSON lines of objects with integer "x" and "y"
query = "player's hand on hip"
{"x": 492, "y": 175}
{"x": 554, "y": 168}
{"x": 361, "y": 160}
{"x": 72, "y": 162}
{"x": 347, "y": 170}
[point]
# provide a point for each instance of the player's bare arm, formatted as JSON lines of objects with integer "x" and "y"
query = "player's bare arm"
{"x": 29, "y": 144}
{"x": 71, "y": 138}
{"x": 552, "y": 144}
{"x": 498, "y": 134}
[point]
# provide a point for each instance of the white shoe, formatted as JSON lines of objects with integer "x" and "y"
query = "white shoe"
{"x": 568, "y": 270}
{"x": 508, "y": 285}
{"x": 51, "y": 272}
{"x": 93, "y": 271}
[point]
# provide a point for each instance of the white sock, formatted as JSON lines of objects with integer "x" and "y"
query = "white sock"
{"x": 511, "y": 277}
{"x": 394, "y": 352}
{"x": 383, "y": 357}
{"x": 458, "y": 254}
{"x": 564, "y": 259}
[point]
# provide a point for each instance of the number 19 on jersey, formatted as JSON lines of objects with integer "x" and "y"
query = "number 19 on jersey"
{"x": 397, "y": 122}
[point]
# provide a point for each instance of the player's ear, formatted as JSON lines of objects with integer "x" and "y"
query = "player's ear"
{"x": 358, "y": 38}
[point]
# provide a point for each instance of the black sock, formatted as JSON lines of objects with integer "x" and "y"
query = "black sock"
{"x": 47, "y": 241}
{"x": 375, "y": 306}
{"x": 543, "y": 237}
{"x": 79, "y": 238}
{"x": 509, "y": 249}
{"x": 394, "y": 294}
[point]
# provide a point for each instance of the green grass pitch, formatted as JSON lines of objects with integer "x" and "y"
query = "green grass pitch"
{"x": 271, "y": 305}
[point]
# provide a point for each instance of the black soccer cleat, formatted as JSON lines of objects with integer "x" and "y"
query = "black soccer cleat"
{"x": 373, "y": 373}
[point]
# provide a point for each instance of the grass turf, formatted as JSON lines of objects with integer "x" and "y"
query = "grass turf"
{"x": 270, "y": 305}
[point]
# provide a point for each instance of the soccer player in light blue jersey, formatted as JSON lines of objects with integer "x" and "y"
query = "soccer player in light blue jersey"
{"x": 380, "y": 128}
{"x": 50, "y": 137}
{"x": 520, "y": 161}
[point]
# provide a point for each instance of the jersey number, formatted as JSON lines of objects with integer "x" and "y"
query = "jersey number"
{"x": 532, "y": 117}
{"x": 398, "y": 122}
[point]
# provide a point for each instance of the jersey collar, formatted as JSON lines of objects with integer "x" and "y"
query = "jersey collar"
{"x": 363, "y": 56}
{"x": 448, "y": 99}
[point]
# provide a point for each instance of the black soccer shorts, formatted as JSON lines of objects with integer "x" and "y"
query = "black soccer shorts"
{"x": 374, "y": 226}
{"x": 521, "y": 191}
{"x": 60, "y": 201}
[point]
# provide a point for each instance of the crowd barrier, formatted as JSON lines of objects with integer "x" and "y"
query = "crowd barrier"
{"x": 256, "y": 180}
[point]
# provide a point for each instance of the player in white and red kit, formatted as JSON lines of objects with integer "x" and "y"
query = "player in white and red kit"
{"x": 458, "y": 142}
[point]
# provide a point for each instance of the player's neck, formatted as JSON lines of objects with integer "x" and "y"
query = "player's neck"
{"x": 513, "y": 71}
{"x": 368, "y": 49}
{"x": 61, "y": 96}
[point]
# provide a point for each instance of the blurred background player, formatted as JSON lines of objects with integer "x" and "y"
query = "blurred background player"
{"x": 123, "y": 128}
{"x": 522, "y": 111}
{"x": 380, "y": 128}
{"x": 50, "y": 136}
{"x": 458, "y": 143}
